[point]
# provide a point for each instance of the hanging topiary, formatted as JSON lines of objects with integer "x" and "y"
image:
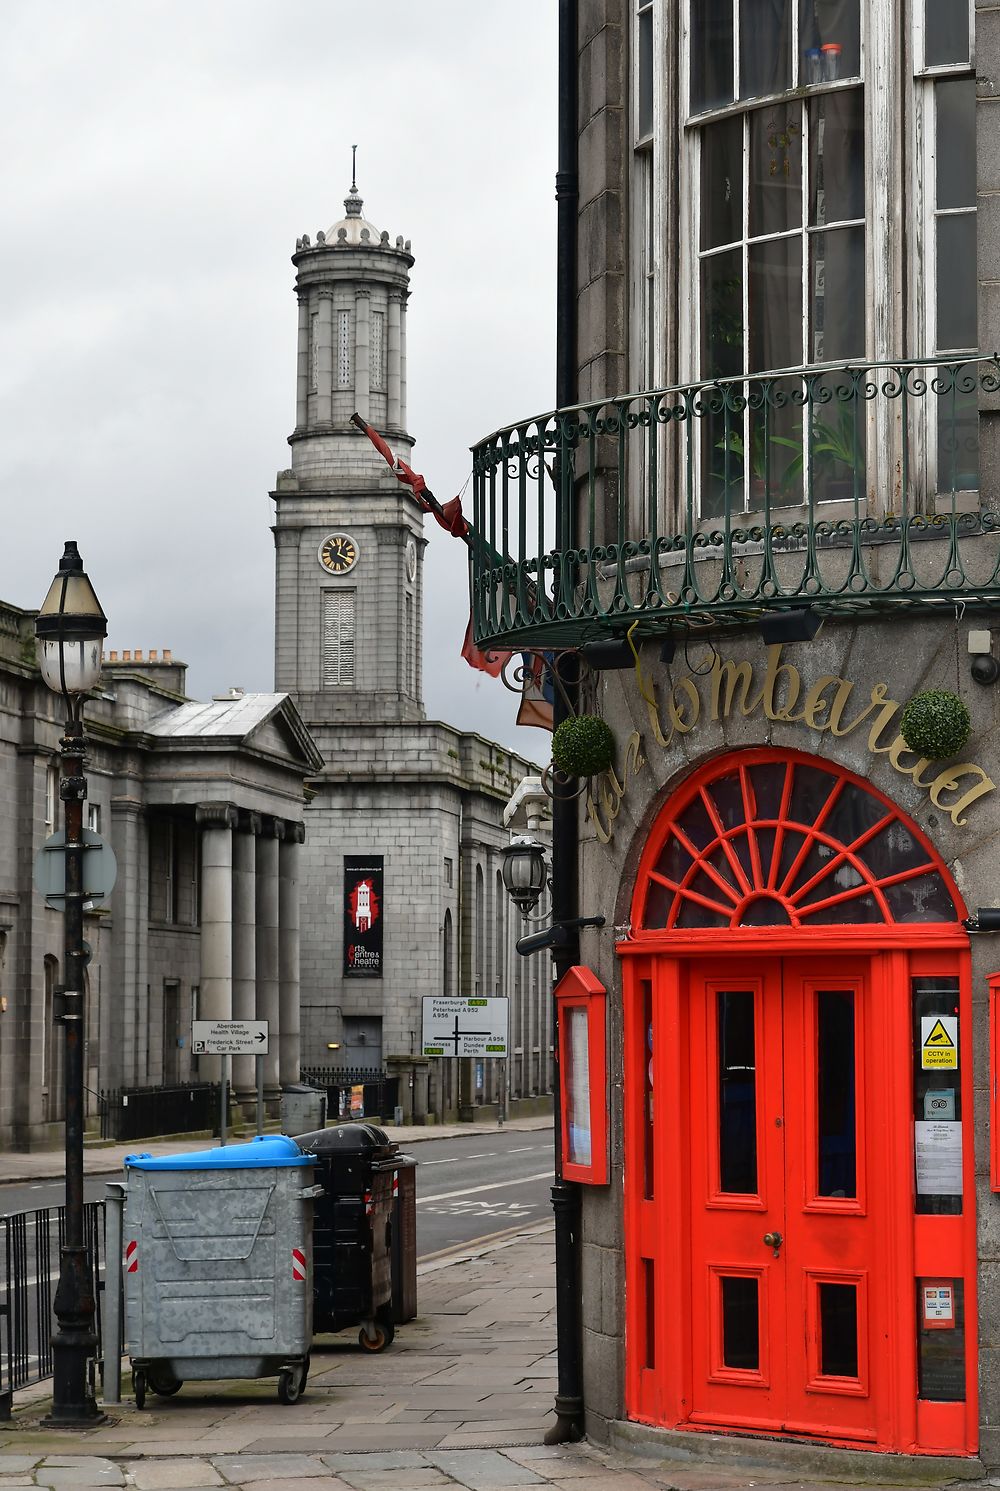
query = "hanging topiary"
{"x": 935, "y": 724}
{"x": 582, "y": 746}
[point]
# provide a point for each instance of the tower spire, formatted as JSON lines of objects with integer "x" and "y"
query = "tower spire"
{"x": 352, "y": 202}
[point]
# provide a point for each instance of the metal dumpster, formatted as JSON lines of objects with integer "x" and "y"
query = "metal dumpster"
{"x": 352, "y": 1234}
{"x": 302, "y": 1107}
{"x": 218, "y": 1266}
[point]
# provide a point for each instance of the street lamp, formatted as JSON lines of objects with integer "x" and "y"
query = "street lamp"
{"x": 524, "y": 872}
{"x": 69, "y": 630}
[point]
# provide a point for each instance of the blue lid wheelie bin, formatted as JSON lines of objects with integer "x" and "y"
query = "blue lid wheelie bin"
{"x": 218, "y": 1265}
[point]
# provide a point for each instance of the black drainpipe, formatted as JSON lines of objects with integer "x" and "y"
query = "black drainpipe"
{"x": 565, "y": 1195}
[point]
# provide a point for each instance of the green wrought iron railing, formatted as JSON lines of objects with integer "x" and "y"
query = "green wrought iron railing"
{"x": 850, "y": 490}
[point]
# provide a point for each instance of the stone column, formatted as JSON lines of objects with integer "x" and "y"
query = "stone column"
{"x": 324, "y": 359}
{"x": 402, "y": 361}
{"x": 267, "y": 906}
{"x": 244, "y": 944}
{"x": 216, "y": 821}
{"x": 392, "y": 360}
{"x": 362, "y": 350}
{"x": 302, "y": 366}
{"x": 288, "y": 952}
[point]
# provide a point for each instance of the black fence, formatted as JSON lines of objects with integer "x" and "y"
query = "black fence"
{"x": 29, "y": 1245}
{"x": 142, "y": 1112}
{"x": 378, "y": 1093}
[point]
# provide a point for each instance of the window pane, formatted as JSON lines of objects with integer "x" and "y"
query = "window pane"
{"x": 946, "y": 32}
{"x": 956, "y": 143}
{"x": 837, "y": 158}
{"x": 722, "y": 183}
{"x": 722, "y": 357}
{"x": 892, "y": 849}
{"x": 727, "y": 795}
{"x": 957, "y": 327}
{"x": 740, "y": 1329}
{"x": 737, "y": 1093}
{"x": 854, "y": 912}
{"x": 837, "y": 306}
{"x": 838, "y": 1330}
{"x": 765, "y": 911}
{"x": 775, "y": 170}
{"x": 775, "y": 295}
{"x": 958, "y": 437}
{"x": 831, "y": 24}
{"x": 768, "y": 786}
{"x": 646, "y": 72}
{"x": 854, "y": 812}
{"x": 765, "y": 47}
{"x": 941, "y": 1353}
{"x": 711, "y": 54}
{"x": 836, "y": 1123}
{"x": 924, "y": 899}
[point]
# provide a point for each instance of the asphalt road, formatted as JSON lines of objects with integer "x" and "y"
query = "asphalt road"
{"x": 467, "y": 1189}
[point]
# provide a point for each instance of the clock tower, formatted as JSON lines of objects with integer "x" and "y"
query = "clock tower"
{"x": 348, "y": 537}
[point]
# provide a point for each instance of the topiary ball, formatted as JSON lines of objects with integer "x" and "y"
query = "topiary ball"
{"x": 935, "y": 724}
{"x": 582, "y": 746}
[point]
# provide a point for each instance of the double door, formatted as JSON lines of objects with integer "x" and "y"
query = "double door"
{"x": 790, "y": 1160}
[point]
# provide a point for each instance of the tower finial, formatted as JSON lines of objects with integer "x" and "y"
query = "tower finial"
{"x": 352, "y": 201}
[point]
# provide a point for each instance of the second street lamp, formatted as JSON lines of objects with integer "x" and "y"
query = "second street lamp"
{"x": 69, "y": 631}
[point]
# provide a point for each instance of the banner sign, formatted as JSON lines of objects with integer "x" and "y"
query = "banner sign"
{"x": 363, "y": 915}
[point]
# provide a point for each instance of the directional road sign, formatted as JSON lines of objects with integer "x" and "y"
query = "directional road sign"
{"x": 464, "y": 1027}
{"x": 100, "y": 868}
{"x": 229, "y": 1037}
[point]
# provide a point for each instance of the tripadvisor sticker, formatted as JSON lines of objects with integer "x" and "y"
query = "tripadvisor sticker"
{"x": 938, "y": 1041}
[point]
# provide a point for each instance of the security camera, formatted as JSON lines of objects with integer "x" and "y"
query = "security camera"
{"x": 985, "y": 668}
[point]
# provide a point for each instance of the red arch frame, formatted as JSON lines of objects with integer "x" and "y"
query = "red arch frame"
{"x": 760, "y": 881}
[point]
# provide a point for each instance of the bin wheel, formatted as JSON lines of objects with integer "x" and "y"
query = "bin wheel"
{"x": 292, "y": 1382}
{"x": 384, "y": 1333}
{"x": 139, "y": 1387}
{"x": 164, "y": 1384}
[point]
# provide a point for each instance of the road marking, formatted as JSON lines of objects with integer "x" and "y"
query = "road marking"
{"x": 523, "y": 1150}
{"x": 497, "y": 1185}
{"x": 489, "y": 1154}
{"x": 452, "y": 1161}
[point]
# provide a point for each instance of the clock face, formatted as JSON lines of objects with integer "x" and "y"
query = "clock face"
{"x": 411, "y": 560}
{"x": 338, "y": 553}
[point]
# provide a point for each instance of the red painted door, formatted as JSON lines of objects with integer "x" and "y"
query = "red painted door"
{"x": 791, "y": 1282}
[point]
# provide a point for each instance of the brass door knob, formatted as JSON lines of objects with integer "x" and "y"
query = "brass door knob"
{"x": 773, "y": 1240}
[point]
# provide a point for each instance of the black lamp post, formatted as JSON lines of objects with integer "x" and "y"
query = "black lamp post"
{"x": 69, "y": 630}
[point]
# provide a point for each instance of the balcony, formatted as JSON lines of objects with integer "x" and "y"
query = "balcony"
{"x": 851, "y": 490}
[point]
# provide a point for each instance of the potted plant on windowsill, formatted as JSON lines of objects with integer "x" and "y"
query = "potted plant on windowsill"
{"x": 835, "y": 460}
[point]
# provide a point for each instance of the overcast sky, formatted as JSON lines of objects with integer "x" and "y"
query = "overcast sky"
{"x": 160, "y": 157}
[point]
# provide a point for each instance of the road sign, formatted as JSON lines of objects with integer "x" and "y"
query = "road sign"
{"x": 100, "y": 868}
{"x": 229, "y": 1037}
{"x": 464, "y": 1027}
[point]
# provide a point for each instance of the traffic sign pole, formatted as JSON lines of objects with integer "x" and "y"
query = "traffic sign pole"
{"x": 224, "y": 1101}
{"x": 259, "y": 1064}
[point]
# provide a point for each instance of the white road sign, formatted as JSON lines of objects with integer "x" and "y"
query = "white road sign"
{"x": 229, "y": 1037}
{"x": 464, "y": 1027}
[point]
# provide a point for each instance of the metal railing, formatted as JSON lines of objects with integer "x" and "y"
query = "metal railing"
{"x": 142, "y": 1112}
{"x": 380, "y": 1092}
{"x": 29, "y": 1245}
{"x": 849, "y": 489}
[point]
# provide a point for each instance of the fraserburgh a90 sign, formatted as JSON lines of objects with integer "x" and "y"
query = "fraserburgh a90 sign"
{"x": 464, "y": 1027}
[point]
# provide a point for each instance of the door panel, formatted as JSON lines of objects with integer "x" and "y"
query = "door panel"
{"x": 784, "y": 1240}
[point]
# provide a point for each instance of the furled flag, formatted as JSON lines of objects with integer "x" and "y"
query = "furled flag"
{"x": 537, "y": 691}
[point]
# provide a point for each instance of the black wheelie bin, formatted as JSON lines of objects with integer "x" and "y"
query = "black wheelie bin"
{"x": 352, "y": 1231}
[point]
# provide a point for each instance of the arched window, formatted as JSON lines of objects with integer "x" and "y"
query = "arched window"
{"x": 779, "y": 839}
{"x": 480, "y": 972}
{"x": 446, "y": 957}
{"x": 500, "y": 929}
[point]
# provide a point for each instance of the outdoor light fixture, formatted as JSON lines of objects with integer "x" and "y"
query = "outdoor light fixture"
{"x": 667, "y": 649}
{"x": 69, "y": 630}
{"x": 800, "y": 624}
{"x": 607, "y": 655}
{"x": 525, "y": 874}
{"x": 986, "y": 919}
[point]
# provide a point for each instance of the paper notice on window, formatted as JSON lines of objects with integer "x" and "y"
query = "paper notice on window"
{"x": 939, "y": 1158}
{"x": 577, "y": 1088}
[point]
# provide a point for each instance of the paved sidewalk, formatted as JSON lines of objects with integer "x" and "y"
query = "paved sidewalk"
{"x": 461, "y": 1399}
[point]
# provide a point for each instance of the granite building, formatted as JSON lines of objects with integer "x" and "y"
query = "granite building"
{"x": 774, "y": 481}
{"x": 408, "y": 808}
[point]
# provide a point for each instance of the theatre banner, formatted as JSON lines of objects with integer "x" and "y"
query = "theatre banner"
{"x": 363, "y": 915}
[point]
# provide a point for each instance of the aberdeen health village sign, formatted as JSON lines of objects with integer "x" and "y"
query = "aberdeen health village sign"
{"x": 777, "y": 692}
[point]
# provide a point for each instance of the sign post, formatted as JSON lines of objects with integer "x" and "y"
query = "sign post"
{"x": 464, "y": 1027}
{"x": 228, "y": 1038}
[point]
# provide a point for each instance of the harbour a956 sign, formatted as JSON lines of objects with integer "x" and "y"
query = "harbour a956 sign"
{"x": 464, "y": 1027}
{"x": 363, "y": 905}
